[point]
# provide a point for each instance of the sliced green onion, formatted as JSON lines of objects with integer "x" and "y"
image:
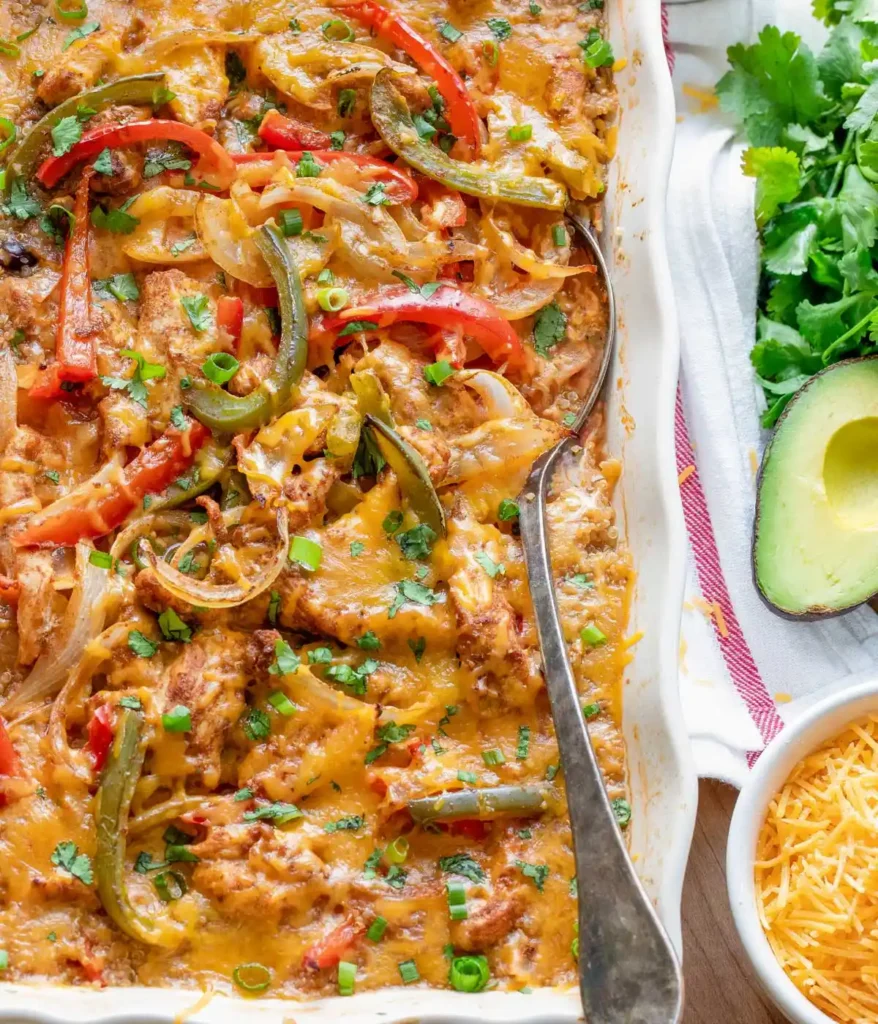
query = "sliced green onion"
{"x": 101, "y": 559}
{"x": 493, "y": 757}
{"x": 622, "y": 810}
{"x": 491, "y": 51}
{"x": 170, "y": 885}
{"x": 592, "y": 636}
{"x": 347, "y": 975}
{"x": 469, "y": 973}
{"x": 408, "y": 971}
{"x": 397, "y": 851}
{"x": 4, "y": 959}
{"x": 470, "y": 777}
{"x": 438, "y": 373}
{"x": 282, "y": 704}
{"x": 252, "y": 977}
{"x": 9, "y": 49}
{"x": 559, "y": 234}
{"x": 10, "y": 132}
{"x": 591, "y": 710}
{"x": 331, "y": 300}
{"x": 220, "y": 367}
{"x": 290, "y": 222}
{"x": 523, "y": 748}
{"x": 457, "y": 901}
{"x": 377, "y": 929}
{"x": 71, "y": 13}
{"x": 520, "y": 133}
{"x": 325, "y": 277}
{"x": 178, "y": 719}
{"x": 306, "y": 553}
{"x": 337, "y": 30}
{"x": 449, "y": 32}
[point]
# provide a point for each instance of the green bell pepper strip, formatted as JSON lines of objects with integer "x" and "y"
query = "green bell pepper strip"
{"x": 210, "y": 462}
{"x": 112, "y": 806}
{"x": 393, "y": 121}
{"x": 24, "y": 160}
{"x": 230, "y": 414}
{"x": 411, "y": 474}
{"x": 485, "y": 804}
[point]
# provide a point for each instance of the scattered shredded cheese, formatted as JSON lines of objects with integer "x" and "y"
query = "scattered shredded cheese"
{"x": 685, "y": 474}
{"x": 817, "y": 875}
{"x": 720, "y": 620}
{"x": 706, "y": 98}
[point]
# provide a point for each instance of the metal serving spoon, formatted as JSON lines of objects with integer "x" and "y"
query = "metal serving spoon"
{"x": 628, "y": 971}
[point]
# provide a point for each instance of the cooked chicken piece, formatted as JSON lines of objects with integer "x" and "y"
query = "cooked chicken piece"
{"x": 166, "y": 335}
{"x": 490, "y": 924}
{"x": 78, "y": 68}
{"x": 565, "y": 89}
{"x": 33, "y": 570}
{"x": 207, "y": 679}
{"x": 349, "y": 596}
{"x": 197, "y": 75}
{"x": 257, "y": 871}
{"x": 30, "y": 304}
{"x": 306, "y": 493}
{"x": 401, "y": 373}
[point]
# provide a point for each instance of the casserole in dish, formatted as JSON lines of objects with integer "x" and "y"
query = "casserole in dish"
{"x": 661, "y": 786}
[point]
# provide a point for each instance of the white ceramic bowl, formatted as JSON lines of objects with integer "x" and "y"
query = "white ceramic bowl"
{"x": 822, "y": 722}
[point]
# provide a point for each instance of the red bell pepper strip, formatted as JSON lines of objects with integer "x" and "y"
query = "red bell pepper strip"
{"x": 460, "y": 111}
{"x": 100, "y": 735}
{"x": 216, "y": 162}
{"x": 230, "y": 317}
{"x": 9, "y": 763}
{"x": 9, "y": 591}
{"x": 448, "y": 307}
{"x": 401, "y": 186}
{"x": 281, "y": 132}
{"x": 330, "y": 949}
{"x": 75, "y": 349}
{"x": 151, "y": 471}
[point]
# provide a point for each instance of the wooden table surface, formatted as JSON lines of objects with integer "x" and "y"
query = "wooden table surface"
{"x": 720, "y": 985}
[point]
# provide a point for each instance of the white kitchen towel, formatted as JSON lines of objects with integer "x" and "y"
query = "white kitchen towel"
{"x": 743, "y": 670}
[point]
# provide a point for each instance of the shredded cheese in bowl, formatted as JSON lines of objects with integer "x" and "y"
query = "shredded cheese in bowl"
{"x": 816, "y": 875}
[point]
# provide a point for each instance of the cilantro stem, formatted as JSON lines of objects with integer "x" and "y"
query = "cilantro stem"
{"x": 845, "y": 159}
{"x": 839, "y": 342}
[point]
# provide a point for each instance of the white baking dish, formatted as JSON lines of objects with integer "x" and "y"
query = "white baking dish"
{"x": 663, "y": 783}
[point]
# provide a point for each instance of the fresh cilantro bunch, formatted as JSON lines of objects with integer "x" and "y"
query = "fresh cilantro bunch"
{"x": 812, "y": 121}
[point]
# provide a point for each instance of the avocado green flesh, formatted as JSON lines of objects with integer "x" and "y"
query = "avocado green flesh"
{"x": 815, "y": 550}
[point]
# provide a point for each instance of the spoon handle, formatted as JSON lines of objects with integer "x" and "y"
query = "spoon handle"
{"x": 628, "y": 971}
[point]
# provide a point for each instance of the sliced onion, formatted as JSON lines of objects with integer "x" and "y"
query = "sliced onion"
{"x": 499, "y": 446}
{"x": 167, "y": 218}
{"x": 88, "y": 493}
{"x": 220, "y": 595}
{"x": 92, "y": 657}
{"x": 306, "y": 68}
{"x": 329, "y": 195}
{"x": 137, "y": 60}
{"x": 8, "y": 395}
{"x": 502, "y": 399}
{"x": 230, "y": 241}
{"x": 144, "y": 525}
{"x": 83, "y": 620}
{"x": 504, "y": 243}
{"x": 516, "y": 301}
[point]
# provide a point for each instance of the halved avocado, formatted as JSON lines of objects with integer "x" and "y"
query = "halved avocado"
{"x": 815, "y": 540}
